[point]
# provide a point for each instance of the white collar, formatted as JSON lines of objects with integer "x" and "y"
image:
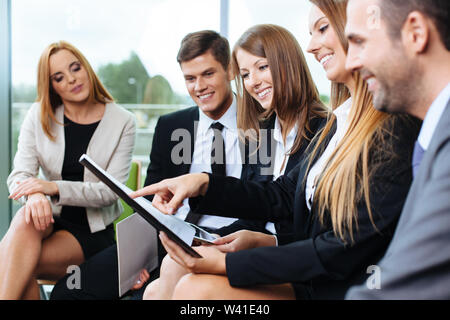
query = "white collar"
{"x": 342, "y": 113}
{"x": 278, "y": 136}
{"x": 433, "y": 116}
{"x": 228, "y": 120}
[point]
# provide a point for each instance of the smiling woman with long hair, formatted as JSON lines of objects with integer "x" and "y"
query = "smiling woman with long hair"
{"x": 280, "y": 111}
{"x": 344, "y": 197}
{"x": 67, "y": 214}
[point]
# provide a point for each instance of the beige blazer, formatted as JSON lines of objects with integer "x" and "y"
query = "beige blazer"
{"x": 111, "y": 147}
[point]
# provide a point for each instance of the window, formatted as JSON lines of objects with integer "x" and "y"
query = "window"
{"x": 5, "y": 117}
{"x": 132, "y": 46}
{"x": 291, "y": 14}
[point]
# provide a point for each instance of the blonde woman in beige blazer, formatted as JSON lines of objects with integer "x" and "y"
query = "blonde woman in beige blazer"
{"x": 67, "y": 212}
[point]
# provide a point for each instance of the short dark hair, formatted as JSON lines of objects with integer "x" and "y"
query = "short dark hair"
{"x": 396, "y": 12}
{"x": 197, "y": 43}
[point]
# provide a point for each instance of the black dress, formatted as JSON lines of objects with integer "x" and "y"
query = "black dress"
{"x": 74, "y": 219}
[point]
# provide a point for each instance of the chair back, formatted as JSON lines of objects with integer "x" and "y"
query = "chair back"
{"x": 134, "y": 183}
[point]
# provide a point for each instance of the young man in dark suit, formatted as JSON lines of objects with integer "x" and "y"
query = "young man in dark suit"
{"x": 181, "y": 145}
{"x": 402, "y": 49}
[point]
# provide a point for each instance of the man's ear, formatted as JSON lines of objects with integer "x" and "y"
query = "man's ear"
{"x": 416, "y": 32}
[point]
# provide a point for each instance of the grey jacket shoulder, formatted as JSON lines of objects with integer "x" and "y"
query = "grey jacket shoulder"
{"x": 416, "y": 263}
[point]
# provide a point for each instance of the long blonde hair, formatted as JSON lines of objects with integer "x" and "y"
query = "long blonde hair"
{"x": 295, "y": 96}
{"x": 345, "y": 179}
{"x": 49, "y": 99}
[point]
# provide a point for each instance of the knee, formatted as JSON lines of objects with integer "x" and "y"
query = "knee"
{"x": 19, "y": 227}
{"x": 194, "y": 287}
{"x": 171, "y": 269}
{"x": 152, "y": 292}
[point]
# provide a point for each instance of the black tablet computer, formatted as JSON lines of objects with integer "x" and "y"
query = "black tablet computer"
{"x": 176, "y": 229}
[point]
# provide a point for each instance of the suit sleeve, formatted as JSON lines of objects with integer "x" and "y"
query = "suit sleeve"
{"x": 324, "y": 256}
{"x": 156, "y": 168}
{"x": 264, "y": 201}
{"x": 243, "y": 224}
{"x": 26, "y": 160}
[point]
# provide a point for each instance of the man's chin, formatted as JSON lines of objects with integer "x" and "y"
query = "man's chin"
{"x": 207, "y": 108}
{"x": 387, "y": 106}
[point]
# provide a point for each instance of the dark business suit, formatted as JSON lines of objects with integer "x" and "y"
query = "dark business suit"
{"x": 253, "y": 171}
{"x": 161, "y": 165}
{"x": 417, "y": 263}
{"x": 313, "y": 259}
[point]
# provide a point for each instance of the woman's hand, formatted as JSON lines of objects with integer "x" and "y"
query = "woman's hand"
{"x": 34, "y": 185}
{"x": 38, "y": 210}
{"x": 170, "y": 193}
{"x": 213, "y": 261}
{"x": 143, "y": 278}
{"x": 244, "y": 239}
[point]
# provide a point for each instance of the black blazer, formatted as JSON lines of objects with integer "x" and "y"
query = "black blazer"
{"x": 252, "y": 171}
{"x": 314, "y": 260}
{"x": 161, "y": 165}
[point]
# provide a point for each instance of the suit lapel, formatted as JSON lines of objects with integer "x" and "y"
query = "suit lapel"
{"x": 59, "y": 145}
{"x": 191, "y": 126}
{"x": 303, "y": 220}
{"x": 441, "y": 134}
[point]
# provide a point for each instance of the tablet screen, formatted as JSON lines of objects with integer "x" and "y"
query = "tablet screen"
{"x": 202, "y": 235}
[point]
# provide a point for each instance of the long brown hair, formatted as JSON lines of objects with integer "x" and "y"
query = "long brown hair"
{"x": 49, "y": 99}
{"x": 296, "y": 99}
{"x": 345, "y": 179}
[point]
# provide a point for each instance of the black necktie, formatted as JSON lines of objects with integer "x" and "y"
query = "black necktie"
{"x": 218, "y": 162}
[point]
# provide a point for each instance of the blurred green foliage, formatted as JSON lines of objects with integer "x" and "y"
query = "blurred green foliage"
{"x": 130, "y": 83}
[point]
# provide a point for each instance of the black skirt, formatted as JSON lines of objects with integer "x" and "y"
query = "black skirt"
{"x": 91, "y": 243}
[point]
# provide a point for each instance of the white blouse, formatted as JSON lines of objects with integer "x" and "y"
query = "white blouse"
{"x": 282, "y": 150}
{"x": 341, "y": 114}
{"x": 281, "y": 156}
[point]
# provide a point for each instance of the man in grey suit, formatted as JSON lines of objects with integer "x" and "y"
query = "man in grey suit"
{"x": 402, "y": 49}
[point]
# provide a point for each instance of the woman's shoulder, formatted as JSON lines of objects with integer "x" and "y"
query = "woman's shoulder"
{"x": 394, "y": 146}
{"x": 402, "y": 127}
{"x": 35, "y": 109}
{"x": 119, "y": 112}
{"x": 33, "y": 114}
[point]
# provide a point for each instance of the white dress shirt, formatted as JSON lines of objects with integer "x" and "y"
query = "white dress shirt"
{"x": 341, "y": 114}
{"x": 432, "y": 118}
{"x": 282, "y": 151}
{"x": 201, "y": 159}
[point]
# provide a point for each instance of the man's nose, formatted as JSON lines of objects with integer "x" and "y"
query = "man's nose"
{"x": 353, "y": 60}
